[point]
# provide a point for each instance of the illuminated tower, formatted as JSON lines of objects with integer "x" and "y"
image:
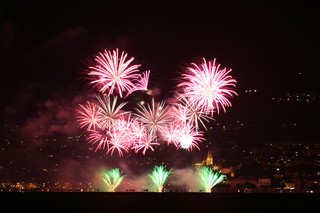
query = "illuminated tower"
{"x": 209, "y": 160}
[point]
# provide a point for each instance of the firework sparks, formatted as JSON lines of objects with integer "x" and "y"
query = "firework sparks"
{"x": 109, "y": 111}
{"x": 159, "y": 176}
{"x": 188, "y": 137}
{"x": 145, "y": 142}
{"x": 96, "y": 137}
{"x": 209, "y": 178}
{"x": 113, "y": 73}
{"x": 208, "y": 86}
{"x": 113, "y": 178}
{"x": 154, "y": 117}
{"x": 170, "y": 134}
{"x": 203, "y": 90}
{"x": 88, "y": 116}
{"x": 117, "y": 142}
{"x": 121, "y": 136}
{"x": 188, "y": 113}
{"x": 142, "y": 83}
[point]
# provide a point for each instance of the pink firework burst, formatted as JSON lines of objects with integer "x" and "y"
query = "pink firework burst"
{"x": 203, "y": 89}
{"x": 113, "y": 73}
{"x": 188, "y": 137}
{"x": 188, "y": 113}
{"x": 96, "y": 137}
{"x": 122, "y": 136}
{"x": 88, "y": 116}
{"x": 208, "y": 86}
{"x": 170, "y": 134}
{"x": 154, "y": 117}
{"x": 117, "y": 142}
{"x": 145, "y": 142}
{"x": 110, "y": 111}
{"x": 142, "y": 83}
{"x": 183, "y": 136}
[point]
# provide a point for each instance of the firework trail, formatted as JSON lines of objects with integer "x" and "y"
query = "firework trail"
{"x": 142, "y": 83}
{"x": 113, "y": 178}
{"x": 209, "y": 178}
{"x": 207, "y": 86}
{"x": 159, "y": 176}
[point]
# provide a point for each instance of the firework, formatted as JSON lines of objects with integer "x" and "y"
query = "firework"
{"x": 97, "y": 137}
{"x": 188, "y": 137}
{"x": 159, "y": 176}
{"x": 154, "y": 117}
{"x": 142, "y": 83}
{"x": 207, "y": 86}
{"x": 109, "y": 111}
{"x": 113, "y": 73}
{"x": 88, "y": 115}
{"x": 117, "y": 141}
{"x": 209, "y": 178}
{"x": 202, "y": 90}
{"x": 170, "y": 134}
{"x": 113, "y": 178}
{"x": 183, "y": 136}
{"x": 185, "y": 112}
{"x": 104, "y": 124}
{"x": 146, "y": 141}
{"x": 121, "y": 136}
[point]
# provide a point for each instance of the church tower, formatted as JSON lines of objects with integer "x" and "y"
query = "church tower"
{"x": 209, "y": 160}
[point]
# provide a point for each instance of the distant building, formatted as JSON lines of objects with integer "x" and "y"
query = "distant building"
{"x": 209, "y": 162}
{"x": 206, "y": 162}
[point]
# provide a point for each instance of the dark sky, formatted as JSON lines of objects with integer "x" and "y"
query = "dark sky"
{"x": 44, "y": 46}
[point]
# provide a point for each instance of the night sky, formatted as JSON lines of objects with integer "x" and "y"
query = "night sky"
{"x": 272, "y": 47}
{"x": 269, "y": 46}
{"x": 45, "y": 48}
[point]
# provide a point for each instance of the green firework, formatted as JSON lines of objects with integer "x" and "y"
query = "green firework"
{"x": 113, "y": 178}
{"x": 209, "y": 178}
{"x": 159, "y": 176}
